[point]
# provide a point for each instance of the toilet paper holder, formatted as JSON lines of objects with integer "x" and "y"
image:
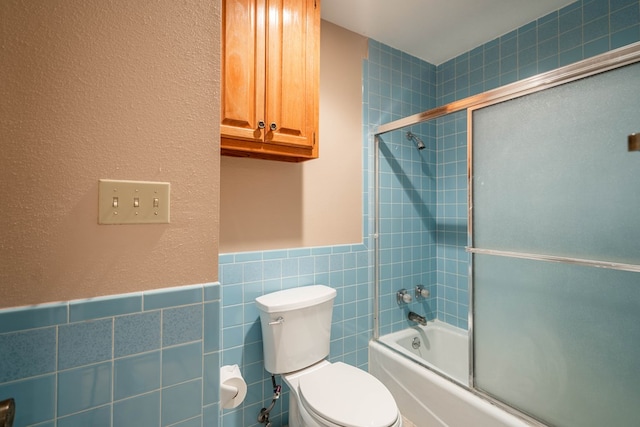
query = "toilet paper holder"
{"x": 7, "y": 412}
{"x": 233, "y": 388}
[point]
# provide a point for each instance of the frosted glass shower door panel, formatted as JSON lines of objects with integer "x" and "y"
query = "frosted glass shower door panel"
{"x": 552, "y": 174}
{"x": 558, "y": 341}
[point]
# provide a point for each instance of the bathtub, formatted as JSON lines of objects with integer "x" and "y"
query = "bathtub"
{"x": 425, "y": 397}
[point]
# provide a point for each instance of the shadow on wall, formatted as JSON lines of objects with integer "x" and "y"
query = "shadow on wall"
{"x": 421, "y": 206}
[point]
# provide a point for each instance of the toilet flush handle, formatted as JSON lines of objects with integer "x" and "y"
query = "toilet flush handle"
{"x": 277, "y": 321}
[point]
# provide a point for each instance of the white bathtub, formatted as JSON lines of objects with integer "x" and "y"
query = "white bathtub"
{"x": 424, "y": 397}
{"x": 443, "y": 347}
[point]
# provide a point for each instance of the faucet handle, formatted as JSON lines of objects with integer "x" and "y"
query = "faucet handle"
{"x": 422, "y": 292}
{"x": 403, "y": 296}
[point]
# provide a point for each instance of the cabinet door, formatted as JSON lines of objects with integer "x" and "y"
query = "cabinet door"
{"x": 243, "y": 26}
{"x": 292, "y": 77}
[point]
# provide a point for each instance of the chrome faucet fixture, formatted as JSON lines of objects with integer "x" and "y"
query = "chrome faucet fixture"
{"x": 412, "y": 137}
{"x": 422, "y": 292}
{"x": 403, "y": 296}
{"x": 415, "y": 317}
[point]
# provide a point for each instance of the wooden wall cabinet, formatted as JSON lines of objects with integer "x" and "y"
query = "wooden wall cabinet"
{"x": 270, "y": 79}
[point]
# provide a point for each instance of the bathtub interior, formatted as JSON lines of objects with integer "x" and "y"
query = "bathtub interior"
{"x": 441, "y": 347}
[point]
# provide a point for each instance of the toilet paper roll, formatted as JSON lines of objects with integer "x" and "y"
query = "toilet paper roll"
{"x": 233, "y": 388}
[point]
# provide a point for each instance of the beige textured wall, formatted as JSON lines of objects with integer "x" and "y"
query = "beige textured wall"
{"x": 116, "y": 89}
{"x": 274, "y": 205}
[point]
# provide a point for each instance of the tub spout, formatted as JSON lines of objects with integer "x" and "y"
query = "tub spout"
{"x": 414, "y": 317}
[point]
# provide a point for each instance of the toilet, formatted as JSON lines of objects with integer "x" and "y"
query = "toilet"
{"x": 296, "y": 332}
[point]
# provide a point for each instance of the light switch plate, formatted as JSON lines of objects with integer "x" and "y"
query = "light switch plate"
{"x": 133, "y": 202}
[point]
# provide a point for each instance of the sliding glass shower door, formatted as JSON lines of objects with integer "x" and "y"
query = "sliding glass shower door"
{"x": 556, "y": 251}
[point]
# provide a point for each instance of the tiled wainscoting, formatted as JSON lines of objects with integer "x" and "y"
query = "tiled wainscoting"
{"x": 140, "y": 359}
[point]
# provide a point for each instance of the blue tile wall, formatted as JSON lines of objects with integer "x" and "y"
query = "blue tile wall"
{"x": 19, "y": 319}
{"x": 109, "y": 362}
{"x": 84, "y": 388}
{"x": 398, "y": 85}
{"x": 578, "y": 31}
{"x": 451, "y": 224}
{"x": 137, "y": 333}
{"x": 407, "y": 226}
{"x": 143, "y": 410}
{"x": 27, "y": 354}
{"x": 138, "y": 374}
{"x": 407, "y": 180}
{"x": 181, "y": 402}
{"x": 36, "y": 397}
{"x": 423, "y": 209}
{"x": 83, "y": 343}
{"x": 99, "y": 417}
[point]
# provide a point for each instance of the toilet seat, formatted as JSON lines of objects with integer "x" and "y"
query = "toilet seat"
{"x": 347, "y": 396}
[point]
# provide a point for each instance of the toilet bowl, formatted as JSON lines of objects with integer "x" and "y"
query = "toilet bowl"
{"x": 296, "y": 325}
{"x": 339, "y": 395}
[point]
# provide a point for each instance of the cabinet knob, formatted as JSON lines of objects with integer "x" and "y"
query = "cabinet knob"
{"x": 261, "y": 124}
{"x": 273, "y": 126}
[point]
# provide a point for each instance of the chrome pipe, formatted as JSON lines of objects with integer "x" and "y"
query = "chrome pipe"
{"x": 376, "y": 237}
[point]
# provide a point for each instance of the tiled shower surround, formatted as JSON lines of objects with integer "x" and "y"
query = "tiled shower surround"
{"x": 152, "y": 358}
{"x": 421, "y": 239}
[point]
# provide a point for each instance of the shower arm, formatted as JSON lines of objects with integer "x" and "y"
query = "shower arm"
{"x": 412, "y": 137}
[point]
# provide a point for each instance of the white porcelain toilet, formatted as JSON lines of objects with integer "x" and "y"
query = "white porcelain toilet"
{"x": 296, "y": 332}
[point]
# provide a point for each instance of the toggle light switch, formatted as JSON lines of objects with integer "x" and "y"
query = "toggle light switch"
{"x": 133, "y": 202}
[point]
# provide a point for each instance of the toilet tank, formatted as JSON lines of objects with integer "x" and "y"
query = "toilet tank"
{"x": 296, "y": 327}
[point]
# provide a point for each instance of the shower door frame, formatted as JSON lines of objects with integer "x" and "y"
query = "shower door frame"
{"x": 604, "y": 62}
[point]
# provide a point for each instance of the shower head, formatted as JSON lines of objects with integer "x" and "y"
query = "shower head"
{"x": 418, "y": 141}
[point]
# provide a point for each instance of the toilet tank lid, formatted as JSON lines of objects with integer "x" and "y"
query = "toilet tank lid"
{"x": 295, "y": 298}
